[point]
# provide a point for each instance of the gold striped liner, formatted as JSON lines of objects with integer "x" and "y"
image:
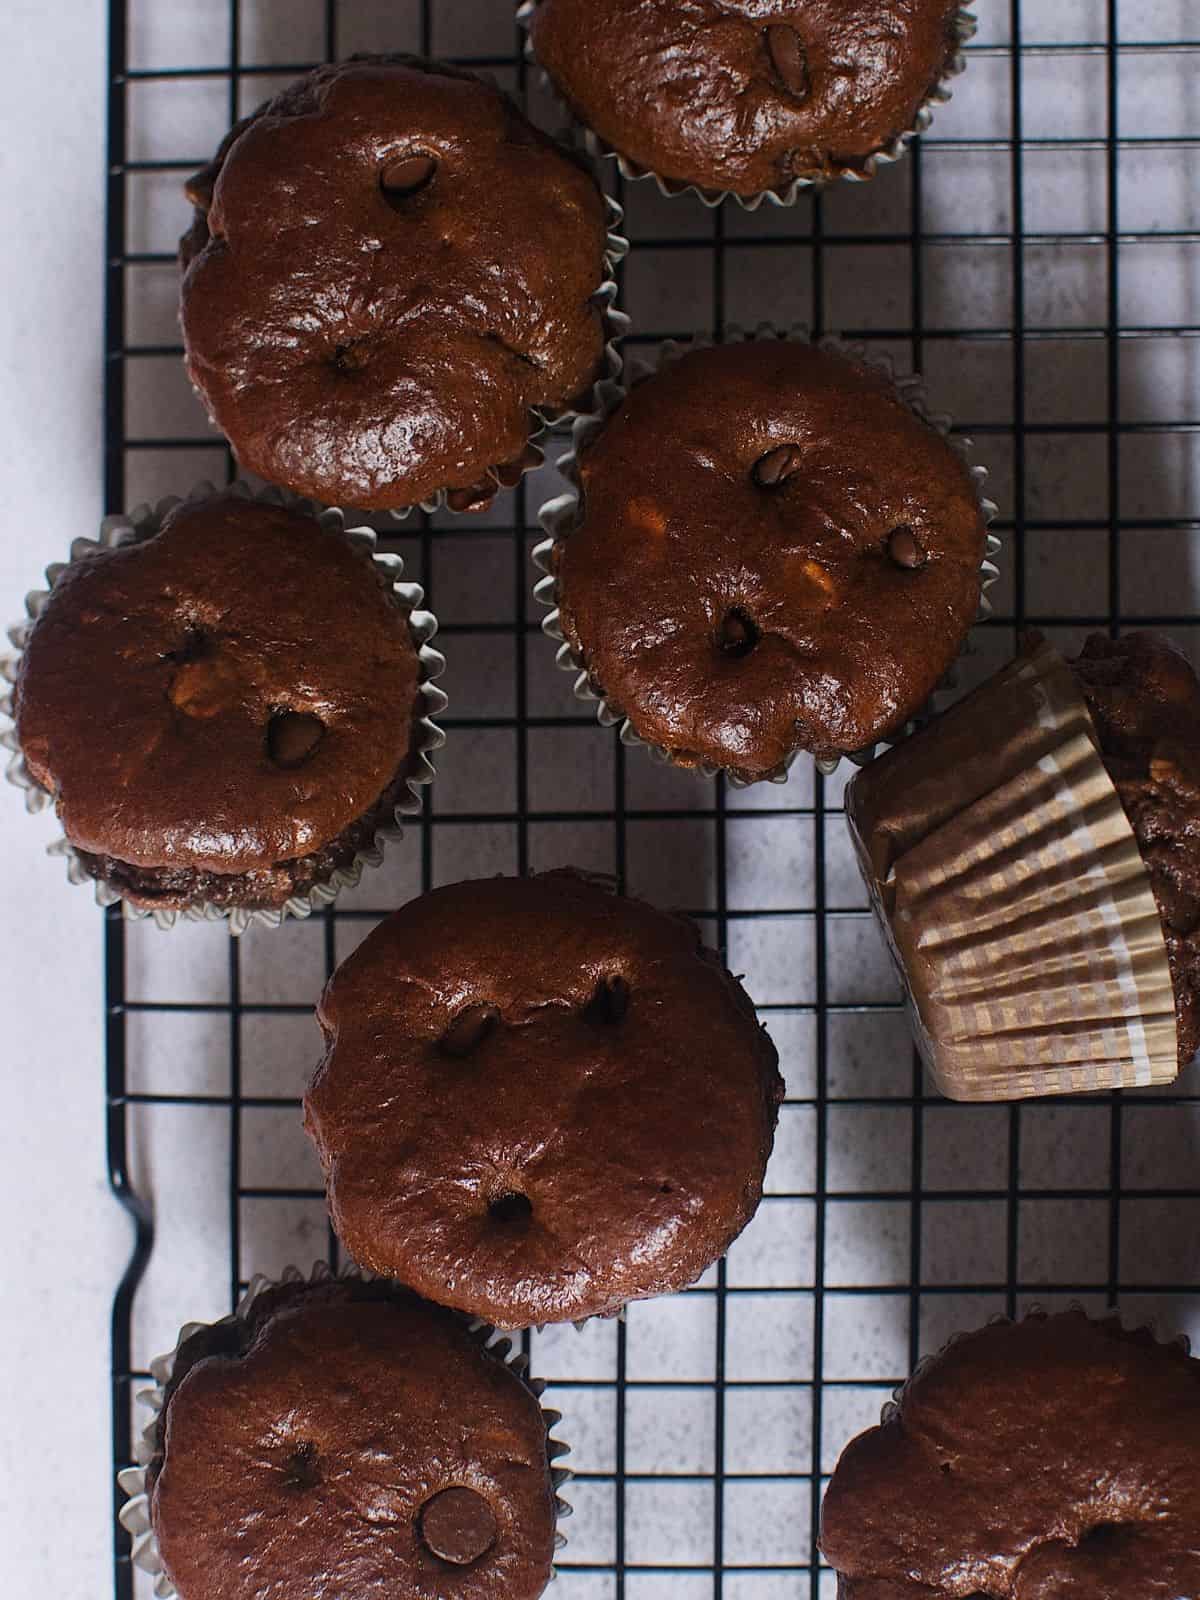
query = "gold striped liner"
{"x": 1014, "y": 897}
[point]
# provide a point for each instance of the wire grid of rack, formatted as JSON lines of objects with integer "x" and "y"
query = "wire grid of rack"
{"x": 1037, "y": 255}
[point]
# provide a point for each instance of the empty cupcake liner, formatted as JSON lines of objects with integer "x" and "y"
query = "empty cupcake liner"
{"x": 509, "y": 474}
{"x": 557, "y": 517}
{"x": 134, "y": 1515}
{"x": 143, "y": 522}
{"x": 1010, "y": 888}
{"x": 964, "y": 25}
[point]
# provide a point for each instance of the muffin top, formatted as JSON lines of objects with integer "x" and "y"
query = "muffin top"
{"x": 231, "y": 692}
{"x": 1145, "y": 701}
{"x": 540, "y": 1100}
{"x": 349, "y": 1440}
{"x": 389, "y": 269}
{"x": 1049, "y": 1458}
{"x": 748, "y": 95}
{"x": 772, "y": 552}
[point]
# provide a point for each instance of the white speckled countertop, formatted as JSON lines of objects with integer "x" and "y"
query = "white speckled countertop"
{"x": 66, "y": 1239}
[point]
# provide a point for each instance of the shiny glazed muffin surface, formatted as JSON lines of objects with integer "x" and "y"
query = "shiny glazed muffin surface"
{"x": 540, "y": 1100}
{"x": 390, "y": 269}
{"x": 772, "y": 553}
{"x": 746, "y": 95}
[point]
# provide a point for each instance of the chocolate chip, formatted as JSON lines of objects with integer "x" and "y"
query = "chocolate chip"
{"x": 610, "y": 1002}
{"x": 300, "y": 1470}
{"x": 1105, "y": 1535}
{"x": 458, "y": 1526}
{"x": 738, "y": 634}
{"x": 776, "y": 466}
{"x": 469, "y": 1029}
{"x": 904, "y": 549}
{"x": 477, "y": 498}
{"x": 1179, "y": 910}
{"x": 402, "y": 179}
{"x": 350, "y": 357}
{"x": 509, "y": 1209}
{"x": 292, "y": 736}
{"x": 788, "y": 57}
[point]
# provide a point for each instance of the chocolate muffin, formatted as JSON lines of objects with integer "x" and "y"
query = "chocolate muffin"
{"x": 392, "y": 276}
{"x": 228, "y": 709}
{"x": 540, "y": 1100}
{"x": 750, "y": 98}
{"x": 1052, "y": 1457}
{"x": 1144, "y": 699}
{"x": 344, "y": 1438}
{"x": 771, "y": 552}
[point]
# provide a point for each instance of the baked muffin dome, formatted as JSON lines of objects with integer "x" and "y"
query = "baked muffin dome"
{"x": 224, "y": 712}
{"x": 1145, "y": 702}
{"x": 771, "y": 552}
{"x": 390, "y": 270}
{"x": 540, "y": 1100}
{"x": 744, "y": 97}
{"x": 1053, "y": 1457}
{"x": 346, "y": 1439}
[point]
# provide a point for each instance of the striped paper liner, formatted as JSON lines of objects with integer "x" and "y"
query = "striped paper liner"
{"x": 1014, "y": 897}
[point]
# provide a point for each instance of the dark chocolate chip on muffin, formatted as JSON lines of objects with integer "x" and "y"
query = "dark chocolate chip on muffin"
{"x": 540, "y": 1100}
{"x": 771, "y": 552}
{"x": 226, "y": 712}
{"x": 344, "y": 1438}
{"x": 1145, "y": 702}
{"x": 390, "y": 272}
{"x": 1051, "y": 1458}
{"x": 747, "y": 98}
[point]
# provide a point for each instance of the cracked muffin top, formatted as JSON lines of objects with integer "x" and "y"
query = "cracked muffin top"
{"x": 228, "y": 694}
{"x": 344, "y": 1438}
{"x": 1145, "y": 702}
{"x": 389, "y": 272}
{"x": 540, "y": 1100}
{"x": 746, "y": 95}
{"x": 772, "y": 552}
{"x": 1048, "y": 1459}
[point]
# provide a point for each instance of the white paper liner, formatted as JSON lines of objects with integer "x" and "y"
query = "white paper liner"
{"x": 143, "y": 522}
{"x": 965, "y": 27}
{"x": 616, "y": 325}
{"x": 557, "y": 518}
{"x": 1009, "y": 885}
{"x": 134, "y": 1515}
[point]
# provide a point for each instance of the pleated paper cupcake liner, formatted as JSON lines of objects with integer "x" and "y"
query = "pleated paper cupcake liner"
{"x": 558, "y": 516}
{"x": 142, "y": 523}
{"x": 1010, "y": 887}
{"x": 134, "y": 1515}
{"x": 964, "y": 25}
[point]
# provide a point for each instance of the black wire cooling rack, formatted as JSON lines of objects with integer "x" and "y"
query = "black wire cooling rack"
{"x": 1037, "y": 255}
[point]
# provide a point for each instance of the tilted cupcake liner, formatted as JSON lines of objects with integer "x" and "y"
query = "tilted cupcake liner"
{"x": 134, "y": 1515}
{"x": 509, "y": 474}
{"x": 964, "y": 25}
{"x": 1010, "y": 888}
{"x": 142, "y": 523}
{"x": 557, "y": 517}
